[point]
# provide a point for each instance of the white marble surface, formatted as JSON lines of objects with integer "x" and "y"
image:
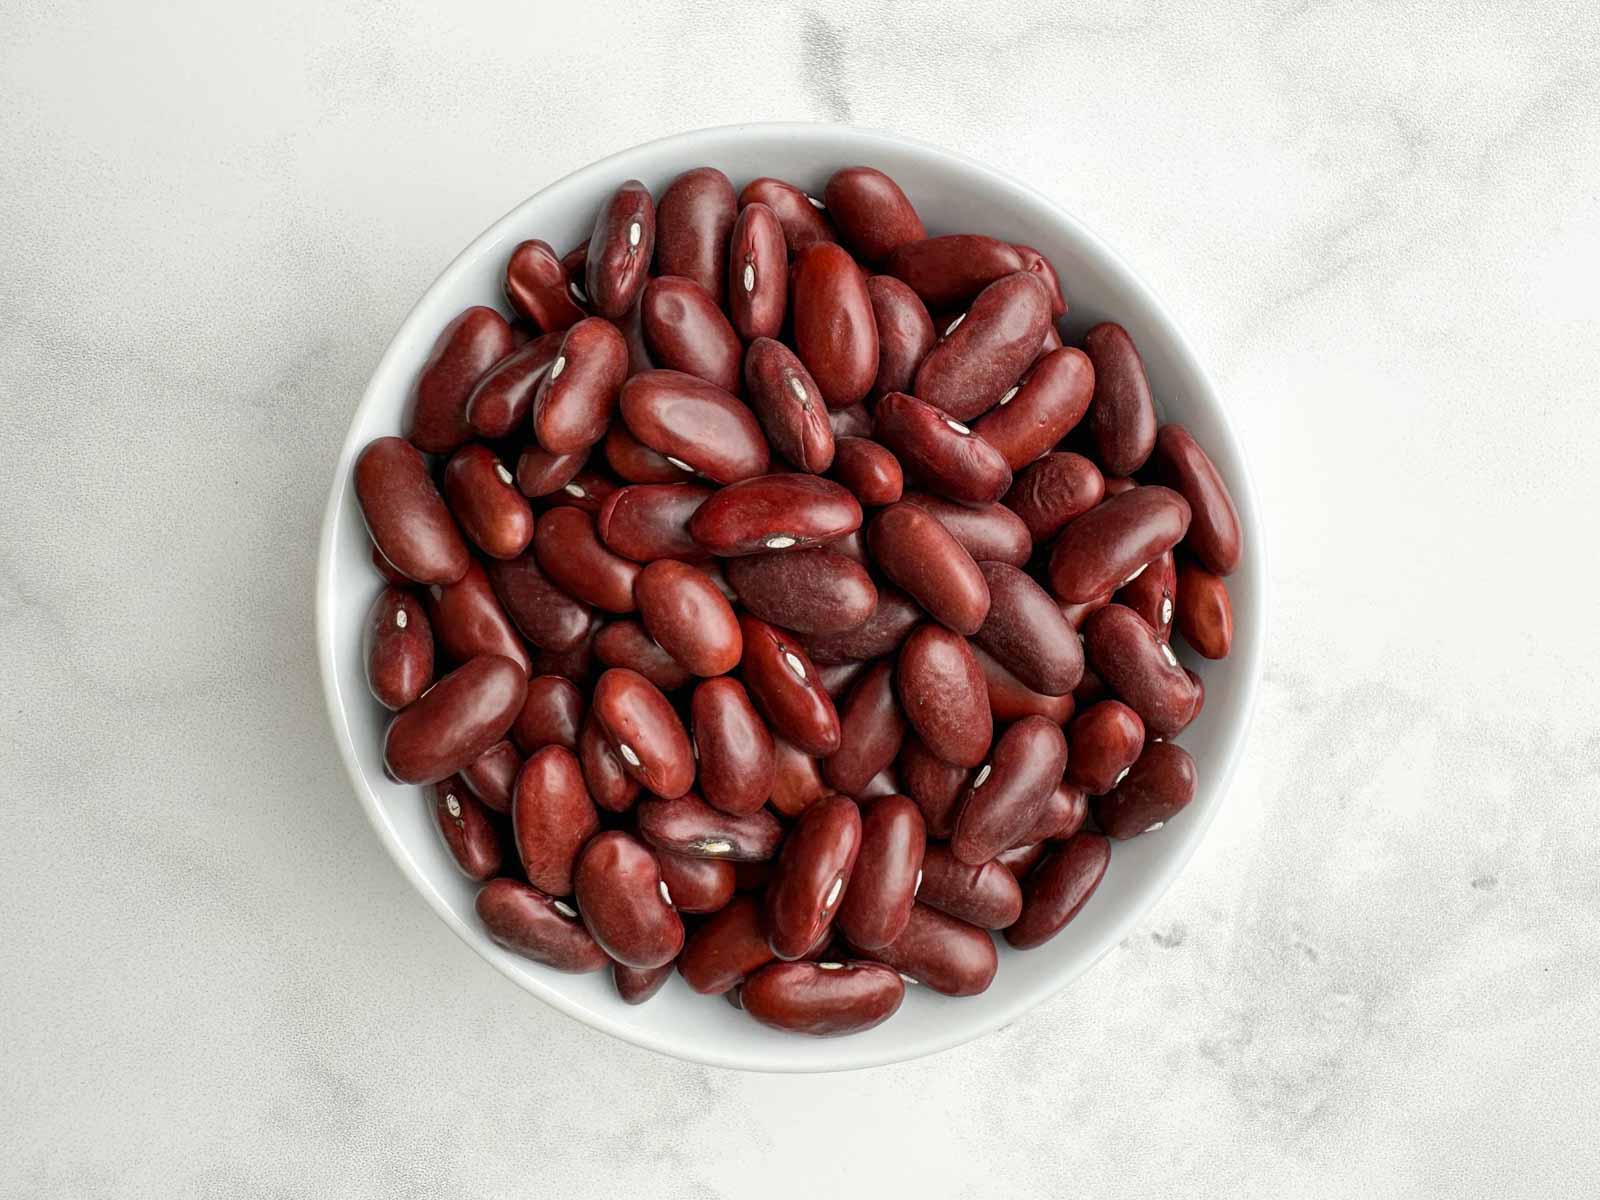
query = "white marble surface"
{"x": 1380, "y": 225}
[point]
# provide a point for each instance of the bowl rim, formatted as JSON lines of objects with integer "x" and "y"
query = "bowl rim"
{"x": 811, "y": 1055}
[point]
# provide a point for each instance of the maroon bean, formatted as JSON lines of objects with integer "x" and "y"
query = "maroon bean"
{"x": 695, "y": 424}
{"x": 721, "y": 953}
{"x": 790, "y": 406}
{"x": 828, "y": 999}
{"x": 1054, "y": 490}
{"x": 688, "y": 617}
{"x": 949, "y": 271}
{"x": 1205, "y": 614}
{"x": 686, "y": 331}
{"x": 455, "y": 720}
{"x": 1180, "y": 463}
{"x": 1010, "y": 699}
{"x": 405, "y": 514}
{"x": 941, "y": 691}
{"x": 941, "y": 952}
{"x": 1039, "y": 265}
{"x": 1042, "y": 408}
{"x": 774, "y": 512}
{"x": 1091, "y": 689}
{"x": 808, "y": 591}
{"x": 576, "y": 662}
{"x": 852, "y": 545}
{"x": 752, "y": 877}
{"x": 871, "y": 730}
{"x": 482, "y": 495}
{"x": 606, "y": 775}
{"x": 914, "y": 550}
{"x": 855, "y": 421}
{"x": 838, "y": 678}
{"x": 1051, "y": 343}
{"x": 552, "y": 816}
{"x": 1077, "y": 613}
{"x": 539, "y": 473}
{"x": 988, "y": 532}
{"x": 1122, "y": 418}
{"x": 1101, "y": 549}
{"x": 467, "y": 830}
{"x": 635, "y": 985}
{"x": 883, "y": 886}
{"x": 546, "y": 615}
{"x": 575, "y": 263}
{"x": 620, "y": 250}
{"x": 631, "y": 326}
{"x": 1117, "y": 484}
{"x": 1151, "y": 593}
{"x": 984, "y": 353}
{"x": 572, "y": 557}
{"x": 1199, "y": 686}
{"x": 623, "y": 902}
{"x": 1103, "y": 742}
{"x": 905, "y": 333}
{"x": 492, "y": 776}
{"x": 1063, "y": 814}
{"x": 1026, "y": 632}
{"x": 812, "y": 874}
{"x": 587, "y": 491}
{"x": 466, "y": 349}
{"x": 758, "y": 273}
{"x": 939, "y": 452}
{"x": 835, "y": 334}
{"x": 797, "y": 779}
{"x": 1005, "y": 796}
{"x": 786, "y": 689}
{"x": 872, "y": 213}
{"x": 386, "y": 569}
{"x": 650, "y": 521}
{"x": 697, "y": 885}
{"x": 500, "y": 400}
{"x": 1056, "y": 890}
{"x": 578, "y": 394}
{"x": 641, "y": 725}
{"x": 732, "y": 746}
{"x": 550, "y": 716}
{"x": 626, "y": 644}
{"x": 538, "y": 288}
{"x": 985, "y": 895}
{"x": 1158, "y": 787}
{"x": 1022, "y": 860}
{"x": 935, "y": 785}
{"x": 398, "y": 649}
{"x": 526, "y": 921}
{"x": 1139, "y": 668}
{"x": 803, "y": 220}
{"x": 871, "y": 472}
{"x": 693, "y": 224}
{"x": 688, "y": 825}
{"x": 635, "y": 462}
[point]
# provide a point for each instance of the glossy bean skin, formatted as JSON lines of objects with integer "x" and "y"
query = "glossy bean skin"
{"x": 883, "y": 885}
{"x": 492, "y": 776}
{"x": 986, "y": 895}
{"x": 811, "y": 592}
{"x": 606, "y": 775}
{"x": 871, "y": 731}
{"x": 803, "y": 222}
{"x": 571, "y": 555}
{"x": 835, "y": 333}
{"x": 1052, "y": 342}
{"x": 940, "y": 952}
{"x": 940, "y": 453}
{"x": 988, "y": 532}
{"x": 1010, "y": 699}
{"x": 1006, "y": 795}
{"x": 1037, "y": 264}
{"x": 405, "y": 515}
{"x": 634, "y": 462}
{"x": 934, "y": 785}
{"x": 721, "y": 953}
{"x": 551, "y": 715}
{"x": 464, "y": 352}
{"x": 696, "y": 885}
{"x": 871, "y": 472}
{"x": 1199, "y": 686}
{"x": 984, "y": 353}
{"x": 1056, "y": 489}
{"x": 1214, "y": 535}
{"x": 1103, "y": 742}
{"x": 686, "y": 331}
{"x": 455, "y": 720}
{"x": 1077, "y": 613}
{"x": 829, "y": 999}
{"x": 631, "y": 326}
{"x": 635, "y": 985}
{"x": 1026, "y": 632}
{"x": 552, "y": 816}
{"x": 758, "y": 273}
{"x": 919, "y": 554}
{"x": 1139, "y": 668}
{"x": 642, "y": 727}
{"x": 540, "y": 473}
{"x": 797, "y": 779}
{"x": 872, "y": 214}
{"x": 620, "y": 250}
{"x": 1205, "y": 614}
{"x": 688, "y": 617}
{"x": 386, "y": 569}
{"x": 537, "y": 287}
{"x": 617, "y": 882}
{"x": 575, "y": 263}
{"x": 839, "y": 678}
{"x": 578, "y": 394}
{"x": 812, "y": 875}
{"x": 1122, "y": 418}
{"x": 785, "y": 687}
{"x": 483, "y": 496}
{"x": 689, "y": 826}
{"x": 468, "y": 833}
{"x": 502, "y": 399}
{"x": 1022, "y": 860}
{"x": 397, "y": 648}
{"x": 695, "y": 423}
{"x": 527, "y": 922}
{"x": 1057, "y": 888}
{"x": 942, "y": 693}
{"x": 1158, "y": 787}
{"x": 650, "y": 521}
{"x": 694, "y": 222}
{"x": 893, "y": 618}
{"x": 1152, "y": 593}
{"x": 774, "y": 512}
{"x": 1101, "y": 549}
{"x": 1117, "y": 484}
{"x": 627, "y": 644}
{"x": 789, "y": 405}
{"x": 1063, "y": 814}
{"x": 587, "y": 491}
{"x": 575, "y": 663}
{"x": 1091, "y": 688}
{"x": 905, "y": 333}
{"x": 1048, "y": 402}
{"x": 734, "y": 749}
{"x": 949, "y": 271}
{"x": 545, "y": 614}
{"x": 855, "y": 421}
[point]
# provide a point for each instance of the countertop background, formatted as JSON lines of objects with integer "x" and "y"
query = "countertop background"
{"x": 1378, "y": 223}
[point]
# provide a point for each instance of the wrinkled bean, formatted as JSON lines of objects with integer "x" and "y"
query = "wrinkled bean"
{"x": 1053, "y": 491}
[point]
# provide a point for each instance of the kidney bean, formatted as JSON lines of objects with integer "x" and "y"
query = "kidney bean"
{"x": 688, "y": 617}
{"x": 852, "y": 545}
{"x": 482, "y": 495}
{"x": 838, "y": 678}
{"x": 941, "y": 691}
{"x": 984, "y": 353}
{"x": 871, "y": 212}
{"x": 635, "y": 985}
{"x": 538, "y": 288}
{"x": 985, "y": 895}
{"x": 606, "y": 775}
{"x": 1005, "y": 796}
{"x": 688, "y": 825}
{"x": 500, "y": 400}
{"x": 468, "y": 347}
{"x": 732, "y": 746}
{"x": 1077, "y": 613}
{"x": 949, "y": 271}
{"x": 552, "y": 816}
{"x": 1103, "y": 742}
{"x": 933, "y": 784}
{"x": 546, "y": 615}
{"x": 988, "y": 532}
{"x": 940, "y": 452}
{"x": 550, "y": 716}
{"x": 835, "y": 334}
{"x": 758, "y": 273}
{"x": 883, "y": 885}
{"x": 1199, "y": 686}
{"x": 620, "y": 250}
{"x": 905, "y": 333}
{"x": 797, "y": 779}
{"x": 492, "y": 776}
{"x": 1038, "y": 265}
{"x": 871, "y": 472}
{"x": 1021, "y": 860}
{"x": 854, "y": 421}
{"x": 626, "y": 644}
{"x": 686, "y": 331}
{"x": 578, "y": 394}
{"x": 826, "y": 999}
{"x": 635, "y": 462}
{"x": 586, "y": 491}
{"x": 774, "y": 512}
{"x": 386, "y": 569}
{"x": 941, "y": 952}
{"x": 1122, "y": 419}
{"x": 693, "y": 224}
{"x": 1180, "y": 463}
{"x": 1041, "y": 409}
{"x": 1205, "y": 614}
{"x": 1159, "y": 785}
{"x": 576, "y": 662}
{"x": 914, "y": 550}
{"x": 1117, "y": 484}
{"x": 790, "y": 406}
{"x": 623, "y": 902}
{"x": 1026, "y": 632}
{"x": 569, "y": 553}
{"x": 1101, "y": 549}
{"x": 405, "y": 514}
{"x": 803, "y": 220}
{"x": 724, "y": 951}
{"x": 468, "y": 833}
{"x": 814, "y": 591}
{"x": 575, "y": 263}
{"x": 650, "y": 521}
{"x": 812, "y": 874}
{"x": 1056, "y": 890}
{"x": 752, "y": 877}
{"x": 455, "y": 720}
{"x": 398, "y": 648}
{"x": 1053, "y": 491}
{"x": 713, "y": 571}
{"x": 539, "y": 473}
{"x": 1151, "y": 592}
{"x": 1010, "y": 699}
{"x": 697, "y": 885}
{"x": 786, "y": 689}
{"x": 1063, "y": 814}
{"x": 1090, "y": 690}
{"x": 872, "y": 729}
{"x": 631, "y": 326}
{"x": 695, "y": 424}
{"x": 642, "y": 727}
{"x": 1051, "y": 343}
{"x": 1139, "y": 668}
{"x": 527, "y": 922}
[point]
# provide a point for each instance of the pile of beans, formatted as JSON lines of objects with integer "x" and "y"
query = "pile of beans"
{"x": 822, "y": 628}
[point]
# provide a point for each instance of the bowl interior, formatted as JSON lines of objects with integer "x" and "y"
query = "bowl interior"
{"x": 952, "y": 194}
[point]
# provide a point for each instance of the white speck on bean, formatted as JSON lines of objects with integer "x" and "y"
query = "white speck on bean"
{"x": 779, "y": 541}
{"x": 500, "y": 470}
{"x": 627, "y": 753}
{"x": 795, "y": 665}
{"x": 558, "y": 366}
{"x": 400, "y": 619}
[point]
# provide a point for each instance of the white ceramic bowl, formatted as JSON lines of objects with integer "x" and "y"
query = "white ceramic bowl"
{"x": 952, "y": 194}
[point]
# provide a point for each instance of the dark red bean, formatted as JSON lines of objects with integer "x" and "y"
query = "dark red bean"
{"x": 572, "y": 557}
{"x": 855, "y": 421}
{"x": 623, "y": 903}
{"x": 774, "y": 512}
{"x": 501, "y": 400}
{"x": 650, "y": 521}
{"x": 386, "y": 569}
{"x": 939, "y": 452}
{"x": 1039, "y": 265}
{"x": 1122, "y": 418}
{"x": 466, "y": 349}
{"x": 941, "y": 952}
{"x": 693, "y": 224}
{"x": 871, "y": 730}
{"x": 552, "y": 816}
{"x": 1056, "y": 890}
{"x": 546, "y": 615}
{"x": 1006, "y": 795}
{"x": 1205, "y": 614}
{"x": 1101, "y": 549}
{"x": 988, "y": 532}
{"x": 758, "y": 273}
{"x": 527, "y": 922}
{"x": 550, "y": 716}
{"x": 405, "y": 514}
{"x": 483, "y": 496}
{"x": 827, "y": 999}
{"x": 1139, "y": 668}
{"x": 839, "y": 678}
{"x": 790, "y": 406}
{"x": 1180, "y": 463}
{"x": 1199, "y": 686}
{"x": 941, "y": 691}
{"x": 785, "y": 687}
{"x": 949, "y": 271}
{"x": 626, "y": 644}
{"x": 398, "y": 648}
{"x": 1026, "y": 632}
{"x": 688, "y": 825}
{"x": 985, "y": 895}
{"x": 809, "y": 591}
{"x": 752, "y": 876}
{"x": 1158, "y": 787}
{"x": 1043, "y": 407}
{"x": 1091, "y": 689}
{"x": 635, "y": 462}
{"x": 1022, "y": 860}
{"x": 631, "y": 326}
{"x": 1010, "y": 699}
{"x": 641, "y": 725}
{"x": 492, "y": 776}
{"x": 575, "y": 263}
{"x": 620, "y": 250}
{"x": 455, "y": 720}
{"x": 884, "y": 883}
{"x": 1053, "y": 491}
{"x": 1103, "y": 741}
{"x": 835, "y": 334}
{"x": 1117, "y": 484}
{"x": 797, "y": 779}
{"x": 873, "y": 215}
{"x": 1051, "y": 343}
{"x": 721, "y": 953}
{"x": 635, "y": 985}
{"x": 935, "y": 785}
{"x": 1076, "y": 614}
{"x": 1152, "y": 592}
{"x": 578, "y": 394}
{"x": 540, "y": 473}
{"x": 606, "y": 775}
{"x": 984, "y": 353}
{"x": 587, "y": 491}
{"x": 871, "y": 472}
{"x": 732, "y": 746}
{"x": 575, "y": 663}
{"x": 696, "y": 425}
{"x": 467, "y": 830}
{"x": 688, "y": 617}
{"x": 538, "y": 288}
{"x": 803, "y": 220}
{"x": 905, "y": 333}
{"x": 812, "y": 874}
{"x": 697, "y": 885}
{"x": 1062, "y": 816}
{"x": 686, "y": 331}
{"x": 914, "y": 550}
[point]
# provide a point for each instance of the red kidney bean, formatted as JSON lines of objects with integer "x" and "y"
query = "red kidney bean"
{"x": 790, "y": 406}
{"x": 467, "y": 830}
{"x": 940, "y": 452}
{"x": 398, "y": 649}
{"x": 455, "y": 720}
{"x": 493, "y": 774}
{"x": 697, "y": 885}
{"x": 852, "y": 545}
{"x": 1091, "y": 689}
{"x": 578, "y": 394}
{"x": 620, "y": 250}
{"x": 988, "y": 532}
{"x": 941, "y": 691}
{"x": 623, "y": 903}
{"x": 895, "y": 615}
{"x": 546, "y": 615}
{"x": 688, "y": 825}
{"x": 1151, "y": 593}
{"x": 1062, "y": 816}
{"x": 835, "y": 334}
{"x": 635, "y": 462}
{"x": 1039, "y": 265}
{"x": 1026, "y": 632}
{"x": 905, "y": 333}
{"x": 539, "y": 473}
{"x": 985, "y": 895}
{"x": 786, "y": 689}
{"x": 642, "y": 727}
{"x": 1122, "y": 419}
{"x": 871, "y": 472}
{"x": 721, "y": 953}
{"x": 1043, "y": 407}
{"x": 1051, "y": 343}
{"x": 872, "y": 213}
{"x": 758, "y": 273}
{"x": 1139, "y": 668}
{"x": 1022, "y": 860}
{"x": 695, "y": 424}
{"x": 650, "y": 521}
{"x": 686, "y": 331}
{"x": 935, "y": 785}
{"x": 527, "y": 922}
{"x": 1103, "y": 742}
{"x": 827, "y": 999}
{"x": 550, "y": 716}
{"x": 986, "y": 350}
{"x": 1180, "y": 463}
{"x": 569, "y": 553}
{"x": 386, "y": 569}
{"x": 405, "y": 514}
{"x": 949, "y": 271}
{"x": 576, "y": 662}
{"x": 913, "y": 549}
{"x": 1053, "y": 491}
{"x": 688, "y": 617}
{"x": 500, "y": 400}
{"x": 774, "y": 512}
{"x": 888, "y": 868}
{"x": 626, "y": 644}
{"x": 538, "y": 288}
{"x": 1117, "y": 484}
{"x": 838, "y": 678}
{"x": 752, "y": 877}
{"x": 941, "y": 952}
{"x": 1005, "y": 796}
{"x": 635, "y": 985}
{"x": 803, "y": 220}
{"x": 468, "y": 347}
{"x": 797, "y": 779}
{"x": 552, "y": 816}
{"x": 575, "y": 263}
{"x": 693, "y": 224}
{"x": 812, "y": 874}
{"x": 606, "y": 775}
{"x": 1101, "y": 549}
{"x": 855, "y": 421}
{"x": 1205, "y": 614}
{"x": 808, "y": 591}
{"x": 1158, "y": 787}
{"x": 1199, "y": 686}
{"x": 586, "y": 491}
{"x": 1056, "y": 890}
{"x": 732, "y": 746}
{"x": 1077, "y": 613}
{"x": 482, "y": 495}
{"x": 872, "y": 729}
{"x": 631, "y": 326}
{"x": 1010, "y": 699}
